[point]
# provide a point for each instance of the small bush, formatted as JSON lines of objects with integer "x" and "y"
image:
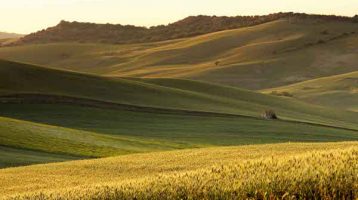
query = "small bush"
{"x": 355, "y": 18}
{"x": 286, "y": 94}
{"x": 269, "y": 114}
{"x": 275, "y": 93}
{"x": 321, "y": 41}
{"x": 325, "y": 32}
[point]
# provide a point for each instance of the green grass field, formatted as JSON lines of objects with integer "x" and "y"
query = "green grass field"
{"x": 321, "y": 170}
{"x": 91, "y": 116}
{"x": 163, "y": 93}
{"x": 13, "y": 157}
{"x": 66, "y": 141}
{"x": 100, "y": 132}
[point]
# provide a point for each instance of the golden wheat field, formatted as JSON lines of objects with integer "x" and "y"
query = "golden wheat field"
{"x": 280, "y": 171}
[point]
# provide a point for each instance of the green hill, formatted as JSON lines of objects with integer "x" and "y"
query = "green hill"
{"x": 268, "y": 55}
{"x": 174, "y": 94}
{"x": 68, "y": 115}
{"x": 340, "y": 91}
{"x": 13, "y": 157}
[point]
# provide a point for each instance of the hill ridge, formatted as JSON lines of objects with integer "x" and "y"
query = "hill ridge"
{"x": 6, "y": 35}
{"x": 191, "y": 26}
{"x": 338, "y": 91}
{"x": 178, "y": 93}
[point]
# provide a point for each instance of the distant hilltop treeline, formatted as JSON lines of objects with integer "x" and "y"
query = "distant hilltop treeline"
{"x": 190, "y": 26}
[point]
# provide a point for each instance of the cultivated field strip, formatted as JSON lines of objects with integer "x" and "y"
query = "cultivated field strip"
{"x": 288, "y": 171}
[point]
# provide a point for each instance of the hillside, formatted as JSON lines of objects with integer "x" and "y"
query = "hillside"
{"x": 63, "y": 132}
{"x": 65, "y": 115}
{"x": 340, "y": 91}
{"x": 208, "y": 107}
{"x": 13, "y": 157}
{"x": 174, "y": 94}
{"x": 268, "y": 55}
{"x": 4, "y": 35}
{"x": 190, "y": 26}
{"x": 321, "y": 170}
{"x": 8, "y": 38}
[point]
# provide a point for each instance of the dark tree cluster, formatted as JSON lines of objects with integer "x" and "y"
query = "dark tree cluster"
{"x": 355, "y": 18}
{"x": 269, "y": 114}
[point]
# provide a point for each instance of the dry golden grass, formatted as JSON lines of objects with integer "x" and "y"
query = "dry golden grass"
{"x": 268, "y": 55}
{"x": 339, "y": 91}
{"x": 288, "y": 171}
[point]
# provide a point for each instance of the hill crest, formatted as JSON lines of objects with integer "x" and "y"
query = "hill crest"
{"x": 123, "y": 34}
{"x": 5, "y": 35}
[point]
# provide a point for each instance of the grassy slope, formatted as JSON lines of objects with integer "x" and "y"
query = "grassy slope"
{"x": 11, "y": 157}
{"x": 97, "y": 132}
{"x": 268, "y": 55}
{"x": 66, "y": 141}
{"x": 89, "y": 178}
{"x": 136, "y": 131}
{"x": 334, "y": 91}
{"x": 164, "y": 93}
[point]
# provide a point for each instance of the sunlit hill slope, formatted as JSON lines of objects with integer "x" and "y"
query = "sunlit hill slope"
{"x": 340, "y": 91}
{"x": 71, "y": 116}
{"x": 272, "y": 54}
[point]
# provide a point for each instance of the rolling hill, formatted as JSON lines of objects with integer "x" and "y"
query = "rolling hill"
{"x": 4, "y": 35}
{"x": 340, "y": 91}
{"x": 175, "y": 94}
{"x": 177, "y": 111}
{"x": 8, "y": 38}
{"x": 190, "y": 26}
{"x": 74, "y": 116}
{"x": 272, "y": 54}
{"x": 321, "y": 170}
{"x": 14, "y": 157}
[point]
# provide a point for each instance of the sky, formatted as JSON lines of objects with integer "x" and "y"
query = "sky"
{"x": 26, "y": 16}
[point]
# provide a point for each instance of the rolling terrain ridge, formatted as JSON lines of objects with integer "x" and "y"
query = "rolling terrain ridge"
{"x": 333, "y": 91}
{"x": 102, "y": 111}
{"x": 179, "y": 94}
{"x": 190, "y": 26}
{"x": 268, "y": 55}
{"x": 72, "y": 115}
{"x": 4, "y": 35}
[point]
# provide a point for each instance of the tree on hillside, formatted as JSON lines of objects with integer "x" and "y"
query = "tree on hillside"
{"x": 355, "y": 18}
{"x": 269, "y": 114}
